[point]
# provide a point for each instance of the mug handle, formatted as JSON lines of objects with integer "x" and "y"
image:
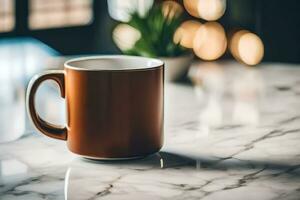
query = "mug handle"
{"x": 45, "y": 127}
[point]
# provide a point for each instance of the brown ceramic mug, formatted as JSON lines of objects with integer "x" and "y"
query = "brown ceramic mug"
{"x": 114, "y": 106}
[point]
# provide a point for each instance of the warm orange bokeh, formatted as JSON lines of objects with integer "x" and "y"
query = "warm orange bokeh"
{"x": 171, "y": 9}
{"x": 192, "y": 7}
{"x": 209, "y": 10}
{"x": 210, "y": 41}
{"x": 233, "y": 44}
{"x": 186, "y": 32}
{"x": 246, "y": 47}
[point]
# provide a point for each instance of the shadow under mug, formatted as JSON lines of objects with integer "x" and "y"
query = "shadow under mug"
{"x": 114, "y": 106}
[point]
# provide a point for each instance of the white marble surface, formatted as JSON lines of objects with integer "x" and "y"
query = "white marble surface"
{"x": 237, "y": 136}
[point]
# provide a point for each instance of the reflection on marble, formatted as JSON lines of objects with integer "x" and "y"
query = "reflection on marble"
{"x": 118, "y": 178}
{"x": 251, "y": 152}
{"x": 247, "y": 90}
{"x": 212, "y": 85}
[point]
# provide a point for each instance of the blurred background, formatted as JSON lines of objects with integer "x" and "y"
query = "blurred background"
{"x": 84, "y": 26}
{"x": 41, "y": 34}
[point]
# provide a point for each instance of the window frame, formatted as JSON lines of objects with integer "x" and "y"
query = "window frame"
{"x": 21, "y": 28}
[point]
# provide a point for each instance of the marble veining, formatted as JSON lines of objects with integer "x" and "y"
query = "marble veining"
{"x": 234, "y": 136}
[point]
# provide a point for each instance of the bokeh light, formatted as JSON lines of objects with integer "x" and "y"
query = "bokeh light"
{"x": 121, "y": 10}
{"x": 247, "y": 47}
{"x": 171, "y": 9}
{"x": 233, "y": 44}
{"x": 251, "y": 49}
{"x": 186, "y": 32}
{"x": 125, "y": 36}
{"x": 209, "y": 10}
{"x": 210, "y": 41}
{"x": 192, "y": 7}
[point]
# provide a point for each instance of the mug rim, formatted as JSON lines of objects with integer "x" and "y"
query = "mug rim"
{"x": 159, "y": 63}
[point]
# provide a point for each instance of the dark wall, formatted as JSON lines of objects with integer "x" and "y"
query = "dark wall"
{"x": 281, "y": 30}
{"x": 277, "y": 22}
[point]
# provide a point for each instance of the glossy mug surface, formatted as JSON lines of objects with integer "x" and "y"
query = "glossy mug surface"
{"x": 114, "y": 106}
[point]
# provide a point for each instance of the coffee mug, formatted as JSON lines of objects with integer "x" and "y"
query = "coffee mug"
{"x": 114, "y": 106}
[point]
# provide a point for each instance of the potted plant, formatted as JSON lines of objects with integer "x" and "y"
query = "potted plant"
{"x": 152, "y": 35}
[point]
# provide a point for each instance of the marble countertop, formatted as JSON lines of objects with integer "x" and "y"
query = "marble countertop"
{"x": 234, "y": 136}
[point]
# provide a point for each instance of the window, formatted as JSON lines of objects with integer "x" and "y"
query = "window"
{"x": 120, "y": 9}
{"x": 59, "y": 13}
{"x": 7, "y": 15}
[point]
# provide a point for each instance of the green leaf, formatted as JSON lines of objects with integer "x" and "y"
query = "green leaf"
{"x": 156, "y": 34}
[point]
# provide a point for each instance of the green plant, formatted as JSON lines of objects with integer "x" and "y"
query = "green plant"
{"x": 156, "y": 30}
